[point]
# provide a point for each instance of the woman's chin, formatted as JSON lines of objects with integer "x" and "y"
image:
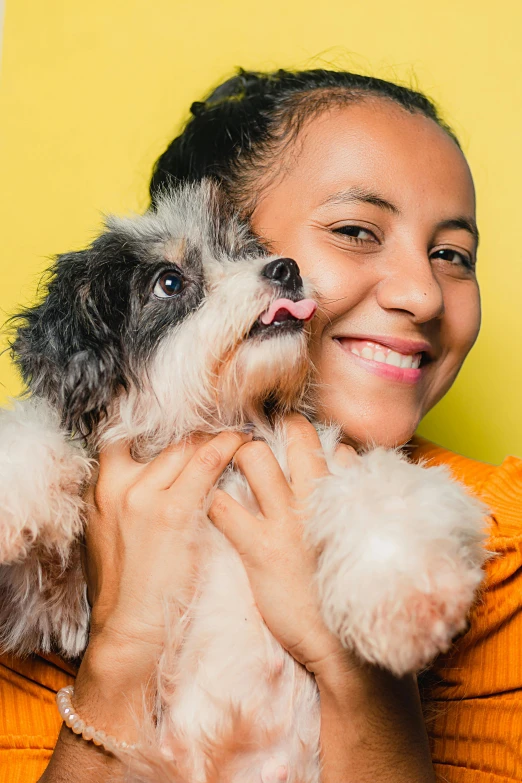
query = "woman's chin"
{"x": 373, "y": 436}
{"x": 363, "y": 441}
{"x": 364, "y": 425}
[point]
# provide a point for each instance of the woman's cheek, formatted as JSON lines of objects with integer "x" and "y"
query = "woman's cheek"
{"x": 332, "y": 272}
{"x": 463, "y": 317}
{"x": 458, "y": 333}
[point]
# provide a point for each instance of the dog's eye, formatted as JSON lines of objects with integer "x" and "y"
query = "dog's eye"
{"x": 168, "y": 284}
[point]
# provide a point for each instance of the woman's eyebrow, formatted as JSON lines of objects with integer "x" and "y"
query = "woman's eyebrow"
{"x": 461, "y": 223}
{"x": 358, "y": 194}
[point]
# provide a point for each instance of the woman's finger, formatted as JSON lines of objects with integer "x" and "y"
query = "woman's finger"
{"x": 164, "y": 469}
{"x": 266, "y": 479}
{"x": 205, "y": 467}
{"x": 306, "y": 460}
{"x": 345, "y": 456}
{"x": 235, "y": 522}
{"x": 116, "y": 455}
{"x": 116, "y": 467}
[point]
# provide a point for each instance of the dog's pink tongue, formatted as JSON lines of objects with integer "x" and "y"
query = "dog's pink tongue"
{"x": 302, "y": 310}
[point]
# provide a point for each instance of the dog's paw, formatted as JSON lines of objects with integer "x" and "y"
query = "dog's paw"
{"x": 41, "y": 475}
{"x": 400, "y": 557}
{"x": 409, "y": 624}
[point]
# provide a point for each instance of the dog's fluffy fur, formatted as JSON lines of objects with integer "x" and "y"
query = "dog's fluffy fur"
{"x": 107, "y": 356}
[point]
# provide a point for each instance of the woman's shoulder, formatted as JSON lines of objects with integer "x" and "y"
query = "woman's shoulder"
{"x": 472, "y": 695}
{"x": 498, "y": 486}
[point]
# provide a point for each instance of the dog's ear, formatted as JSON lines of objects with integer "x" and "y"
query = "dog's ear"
{"x": 229, "y": 232}
{"x": 68, "y": 347}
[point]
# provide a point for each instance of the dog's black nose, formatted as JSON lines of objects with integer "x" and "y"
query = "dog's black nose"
{"x": 285, "y": 272}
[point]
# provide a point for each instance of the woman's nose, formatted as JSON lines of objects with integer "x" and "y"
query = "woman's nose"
{"x": 412, "y": 286}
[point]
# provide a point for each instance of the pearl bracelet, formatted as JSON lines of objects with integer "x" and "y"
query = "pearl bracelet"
{"x": 79, "y": 726}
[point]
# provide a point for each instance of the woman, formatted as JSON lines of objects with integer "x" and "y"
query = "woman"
{"x": 360, "y": 182}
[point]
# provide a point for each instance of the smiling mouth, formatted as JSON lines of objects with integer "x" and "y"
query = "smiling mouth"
{"x": 366, "y": 349}
{"x": 283, "y": 315}
{"x": 390, "y": 364}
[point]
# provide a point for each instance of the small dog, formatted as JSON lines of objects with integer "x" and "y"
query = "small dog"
{"x": 176, "y": 322}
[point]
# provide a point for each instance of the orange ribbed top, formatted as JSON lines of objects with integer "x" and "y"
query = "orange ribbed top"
{"x": 472, "y": 695}
{"x": 29, "y": 720}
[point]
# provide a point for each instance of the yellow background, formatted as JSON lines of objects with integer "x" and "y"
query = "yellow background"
{"x": 91, "y": 92}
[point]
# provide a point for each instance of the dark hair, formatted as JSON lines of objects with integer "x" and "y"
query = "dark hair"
{"x": 235, "y": 133}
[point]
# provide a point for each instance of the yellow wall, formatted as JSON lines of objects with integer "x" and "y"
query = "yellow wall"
{"x": 91, "y": 92}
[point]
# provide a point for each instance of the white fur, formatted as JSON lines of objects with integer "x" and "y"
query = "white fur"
{"x": 401, "y": 557}
{"x": 41, "y": 473}
{"x": 42, "y": 592}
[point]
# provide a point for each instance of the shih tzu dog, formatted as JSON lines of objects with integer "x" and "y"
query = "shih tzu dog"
{"x": 177, "y": 322}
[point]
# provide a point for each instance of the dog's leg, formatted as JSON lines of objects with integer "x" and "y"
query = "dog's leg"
{"x": 401, "y": 555}
{"x": 42, "y": 596}
{"x": 43, "y": 604}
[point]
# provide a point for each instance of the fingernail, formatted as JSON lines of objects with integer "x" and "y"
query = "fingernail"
{"x": 248, "y": 428}
{"x": 345, "y": 456}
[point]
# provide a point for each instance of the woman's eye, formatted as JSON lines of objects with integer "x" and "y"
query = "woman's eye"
{"x": 358, "y": 233}
{"x": 454, "y": 257}
{"x": 168, "y": 284}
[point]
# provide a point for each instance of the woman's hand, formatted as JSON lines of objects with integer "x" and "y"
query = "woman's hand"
{"x": 141, "y": 554}
{"x": 279, "y": 563}
{"x": 372, "y": 727}
{"x": 141, "y": 540}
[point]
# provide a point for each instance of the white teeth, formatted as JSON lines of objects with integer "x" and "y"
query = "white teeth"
{"x": 394, "y": 358}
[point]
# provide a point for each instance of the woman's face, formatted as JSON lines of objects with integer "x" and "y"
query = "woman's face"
{"x": 377, "y": 206}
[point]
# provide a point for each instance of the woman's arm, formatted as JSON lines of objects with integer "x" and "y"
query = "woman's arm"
{"x": 109, "y": 691}
{"x": 141, "y": 552}
{"x": 372, "y": 729}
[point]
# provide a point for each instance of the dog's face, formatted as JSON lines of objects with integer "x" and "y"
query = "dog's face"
{"x": 173, "y": 322}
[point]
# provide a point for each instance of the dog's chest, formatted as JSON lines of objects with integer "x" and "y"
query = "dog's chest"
{"x": 240, "y": 701}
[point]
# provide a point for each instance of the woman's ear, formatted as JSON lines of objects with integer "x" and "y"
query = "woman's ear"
{"x": 64, "y": 347}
